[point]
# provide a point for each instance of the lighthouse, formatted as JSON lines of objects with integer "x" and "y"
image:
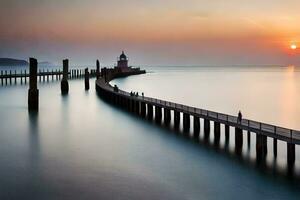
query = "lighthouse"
{"x": 123, "y": 61}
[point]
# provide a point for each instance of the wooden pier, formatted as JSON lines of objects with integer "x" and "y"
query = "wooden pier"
{"x": 159, "y": 110}
{"x": 10, "y": 77}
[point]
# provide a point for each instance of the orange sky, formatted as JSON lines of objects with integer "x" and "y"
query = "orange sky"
{"x": 156, "y": 32}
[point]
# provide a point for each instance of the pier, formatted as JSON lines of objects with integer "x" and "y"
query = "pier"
{"x": 12, "y": 77}
{"x": 160, "y": 110}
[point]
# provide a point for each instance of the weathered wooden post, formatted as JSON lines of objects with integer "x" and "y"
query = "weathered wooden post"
{"x": 10, "y": 77}
{"x": 21, "y": 77}
{"x": 261, "y": 147}
{"x": 248, "y": 139}
{"x": 275, "y": 147}
{"x": 186, "y": 122}
{"x": 158, "y": 114}
{"x": 1, "y": 77}
{"x": 143, "y": 109}
{"x": 5, "y": 77}
{"x": 176, "y": 119}
{"x": 87, "y": 79}
{"x": 196, "y": 127}
{"x": 64, "y": 83}
{"x": 33, "y": 92}
{"x": 97, "y": 69}
{"x": 238, "y": 141}
{"x": 150, "y": 111}
{"x": 206, "y": 129}
{"x": 15, "y": 76}
{"x": 291, "y": 156}
{"x": 217, "y": 132}
{"x": 25, "y": 77}
{"x": 167, "y": 116}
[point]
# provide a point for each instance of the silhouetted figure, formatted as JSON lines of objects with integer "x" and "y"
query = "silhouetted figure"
{"x": 143, "y": 94}
{"x": 240, "y": 117}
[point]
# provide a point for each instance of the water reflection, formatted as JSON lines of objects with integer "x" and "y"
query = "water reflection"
{"x": 34, "y": 141}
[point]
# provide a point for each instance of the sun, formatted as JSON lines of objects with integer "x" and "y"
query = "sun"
{"x": 293, "y": 46}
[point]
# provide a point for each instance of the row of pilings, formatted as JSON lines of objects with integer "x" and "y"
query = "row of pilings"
{"x": 22, "y": 77}
{"x": 33, "y": 92}
{"x": 161, "y": 114}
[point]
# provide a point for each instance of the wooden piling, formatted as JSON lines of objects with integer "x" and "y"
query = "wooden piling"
{"x": 196, "y": 127}
{"x": 291, "y": 155}
{"x": 15, "y": 76}
{"x": 158, "y": 114}
{"x": 21, "y": 77}
{"x": 150, "y": 111}
{"x": 275, "y": 147}
{"x": 206, "y": 129}
{"x": 10, "y": 77}
{"x": 238, "y": 141}
{"x": 143, "y": 109}
{"x": 167, "y": 116}
{"x": 217, "y": 132}
{"x": 5, "y": 77}
{"x": 25, "y": 76}
{"x": 64, "y": 82}
{"x": 97, "y": 69}
{"x": 186, "y": 122}
{"x": 176, "y": 119}
{"x": 261, "y": 147}
{"x": 33, "y": 92}
{"x": 87, "y": 79}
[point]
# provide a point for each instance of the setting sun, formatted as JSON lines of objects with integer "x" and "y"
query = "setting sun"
{"x": 293, "y": 46}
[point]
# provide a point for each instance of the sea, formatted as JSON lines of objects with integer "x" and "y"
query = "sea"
{"x": 79, "y": 146}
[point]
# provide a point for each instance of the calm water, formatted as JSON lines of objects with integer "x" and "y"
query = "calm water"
{"x": 79, "y": 147}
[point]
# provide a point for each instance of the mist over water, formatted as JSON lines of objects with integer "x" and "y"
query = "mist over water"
{"x": 80, "y": 147}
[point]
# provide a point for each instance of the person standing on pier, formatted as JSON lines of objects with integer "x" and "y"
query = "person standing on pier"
{"x": 240, "y": 117}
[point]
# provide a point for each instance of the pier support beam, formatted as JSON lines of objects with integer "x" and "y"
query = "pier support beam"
{"x": 97, "y": 69}
{"x": 261, "y": 147}
{"x": 227, "y": 135}
{"x": 64, "y": 83}
{"x": 275, "y": 147}
{"x": 186, "y": 122}
{"x": 238, "y": 141}
{"x": 150, "y": 111}
{"x": 196, "y": 127}
{"x": 167, "y": 116}
{"x": 33, "y": 92}
{"x": 158, "y": 114}
{"x": 86, "y": 79}
{"x": 206, "y": 129}
{"x": 176, "y": 119}
{"x": 217, "y": 133}
{"x": 291, "y": 155}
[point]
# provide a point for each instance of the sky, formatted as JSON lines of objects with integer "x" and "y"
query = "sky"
{"x": 152, "y": 32}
